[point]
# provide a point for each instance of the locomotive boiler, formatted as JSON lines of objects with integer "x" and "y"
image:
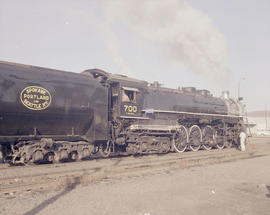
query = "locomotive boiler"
{"x": 52, "y": 115}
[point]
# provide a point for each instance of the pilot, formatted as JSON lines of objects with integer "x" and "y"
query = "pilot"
{"x": 125, "y": 97}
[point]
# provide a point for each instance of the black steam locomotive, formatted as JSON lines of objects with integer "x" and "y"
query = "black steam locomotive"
{"x": 52, "y": 115}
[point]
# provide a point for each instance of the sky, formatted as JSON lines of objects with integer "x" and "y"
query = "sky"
{"x": 208, "y": 44}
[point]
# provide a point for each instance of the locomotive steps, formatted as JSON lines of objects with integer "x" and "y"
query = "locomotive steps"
{"x": 14, "y": 180}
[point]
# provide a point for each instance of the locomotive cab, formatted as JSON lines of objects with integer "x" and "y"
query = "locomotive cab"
{"x": 126, "y": 94}
{"x": 129, "y": 102}
{"x": 124, "y": 101}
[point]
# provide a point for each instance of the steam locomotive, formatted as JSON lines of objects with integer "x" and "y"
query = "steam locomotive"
{"x": 51, "y": 115}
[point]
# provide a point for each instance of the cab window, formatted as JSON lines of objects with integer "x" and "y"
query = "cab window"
{"x": 128, "y": 96}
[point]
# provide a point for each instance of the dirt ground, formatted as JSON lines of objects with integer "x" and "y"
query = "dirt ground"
{"x": 240, "y": 187}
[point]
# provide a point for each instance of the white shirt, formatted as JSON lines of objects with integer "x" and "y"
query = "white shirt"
{"x": 242, "y": 135}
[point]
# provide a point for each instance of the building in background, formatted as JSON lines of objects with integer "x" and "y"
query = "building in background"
{"x": 259, "y": 122}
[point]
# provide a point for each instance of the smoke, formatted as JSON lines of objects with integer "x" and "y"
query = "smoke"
{"x": 182, "y": 34}
{"x": 86, "y": 16}
{"x": 112, "y": 45}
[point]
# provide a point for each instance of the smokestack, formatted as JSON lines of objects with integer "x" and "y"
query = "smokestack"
{"x": 226, "y": 94}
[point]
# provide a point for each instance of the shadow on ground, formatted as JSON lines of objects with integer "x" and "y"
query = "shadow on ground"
{"x": 69, "y": 187}
{"x": 268, "y": 195}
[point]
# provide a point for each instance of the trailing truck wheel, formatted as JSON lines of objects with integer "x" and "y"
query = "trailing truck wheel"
{"x": 208, "y": 138}
{"x": 220, "y": 145}
{"x": 73, "y": 156}
{"x": 195, "y": 137}
{"x": 49, "y": 157}
{"x": 180, "y": 139}
{"x": 105, "y": 149}
{"x": 96, "y": 150}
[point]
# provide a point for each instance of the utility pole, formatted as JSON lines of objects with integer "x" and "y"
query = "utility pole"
{"x": 266, "y": 117}
{"x": 239, "y": 82}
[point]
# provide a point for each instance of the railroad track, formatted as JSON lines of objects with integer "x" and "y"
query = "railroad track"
{"x": 65, "y": 176}
{"x": 9, "y": 171}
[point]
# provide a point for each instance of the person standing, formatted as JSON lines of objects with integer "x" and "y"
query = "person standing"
{"x": 242, "y": 137}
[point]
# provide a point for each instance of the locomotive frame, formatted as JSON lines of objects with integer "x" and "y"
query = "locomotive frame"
{"x": 168, "y": 130}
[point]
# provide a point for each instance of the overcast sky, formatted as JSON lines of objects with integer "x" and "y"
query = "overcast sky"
{"x": 208, "y": 44}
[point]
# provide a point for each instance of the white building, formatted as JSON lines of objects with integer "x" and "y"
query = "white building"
{"x": 259, "y": 125}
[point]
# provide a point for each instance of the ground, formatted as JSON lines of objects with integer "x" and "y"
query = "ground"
{"x": 239, "y": 187}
